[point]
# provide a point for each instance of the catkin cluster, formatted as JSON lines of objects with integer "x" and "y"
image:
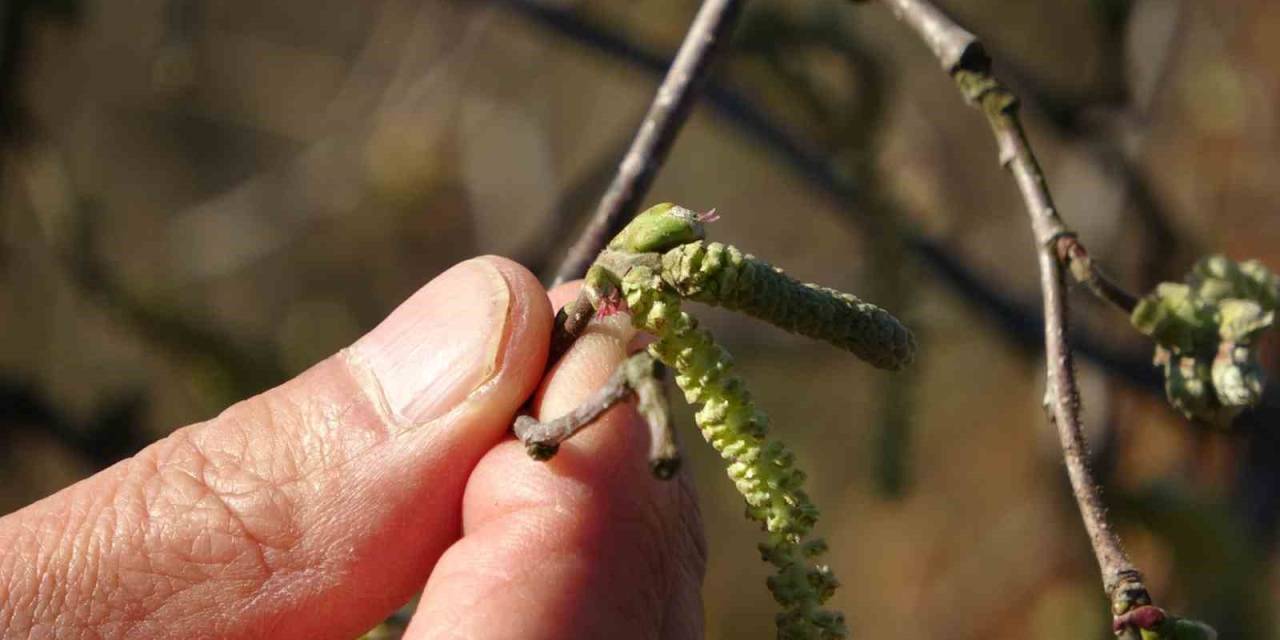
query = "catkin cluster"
{"x": 763, "y": 471}
{"x": 720, "y": 274}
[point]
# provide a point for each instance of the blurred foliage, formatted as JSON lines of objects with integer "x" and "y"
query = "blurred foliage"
{"x": 201, "y": 199}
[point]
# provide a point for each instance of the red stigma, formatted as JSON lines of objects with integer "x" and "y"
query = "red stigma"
{"x": 611, "y": 304}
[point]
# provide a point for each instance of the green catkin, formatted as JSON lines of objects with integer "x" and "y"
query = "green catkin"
{"x": 720, "y": 274}
{"x": 763, "y": 471}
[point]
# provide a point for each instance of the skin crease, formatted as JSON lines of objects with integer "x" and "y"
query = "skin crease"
{"x": 314, "y": 509}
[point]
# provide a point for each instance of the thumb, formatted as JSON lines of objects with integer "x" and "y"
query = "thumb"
{"x": 310, "y": 511}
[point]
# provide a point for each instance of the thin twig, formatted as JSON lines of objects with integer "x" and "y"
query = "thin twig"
{"x": 542, "y": 439}
{"x": 963, "y": 56}
{"x": 646, "y": 380}
{"x": 639, "y": 375}
{"x": 1072, "y": 253}
{"x": 670, "y": 109}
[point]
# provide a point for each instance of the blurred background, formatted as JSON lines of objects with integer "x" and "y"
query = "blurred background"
{"x": 200, "y": 199}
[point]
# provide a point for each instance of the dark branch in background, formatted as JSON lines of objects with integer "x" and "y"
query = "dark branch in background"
{"x": 963, "y": 57}
{"x": 669, "y": 111}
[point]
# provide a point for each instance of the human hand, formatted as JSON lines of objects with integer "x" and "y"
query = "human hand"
{"x": 315, "y": 509}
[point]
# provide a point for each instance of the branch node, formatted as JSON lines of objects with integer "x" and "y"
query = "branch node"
{"x": 983, "y": 90}
{"x": 1066, "y": 245}
{"x": 1127, "y": 591}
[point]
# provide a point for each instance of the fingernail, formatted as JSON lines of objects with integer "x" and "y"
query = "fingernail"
{"x": 442, "y": 343}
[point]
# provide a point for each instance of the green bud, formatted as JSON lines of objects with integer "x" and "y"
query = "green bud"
{"x": 659, "y": 228}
